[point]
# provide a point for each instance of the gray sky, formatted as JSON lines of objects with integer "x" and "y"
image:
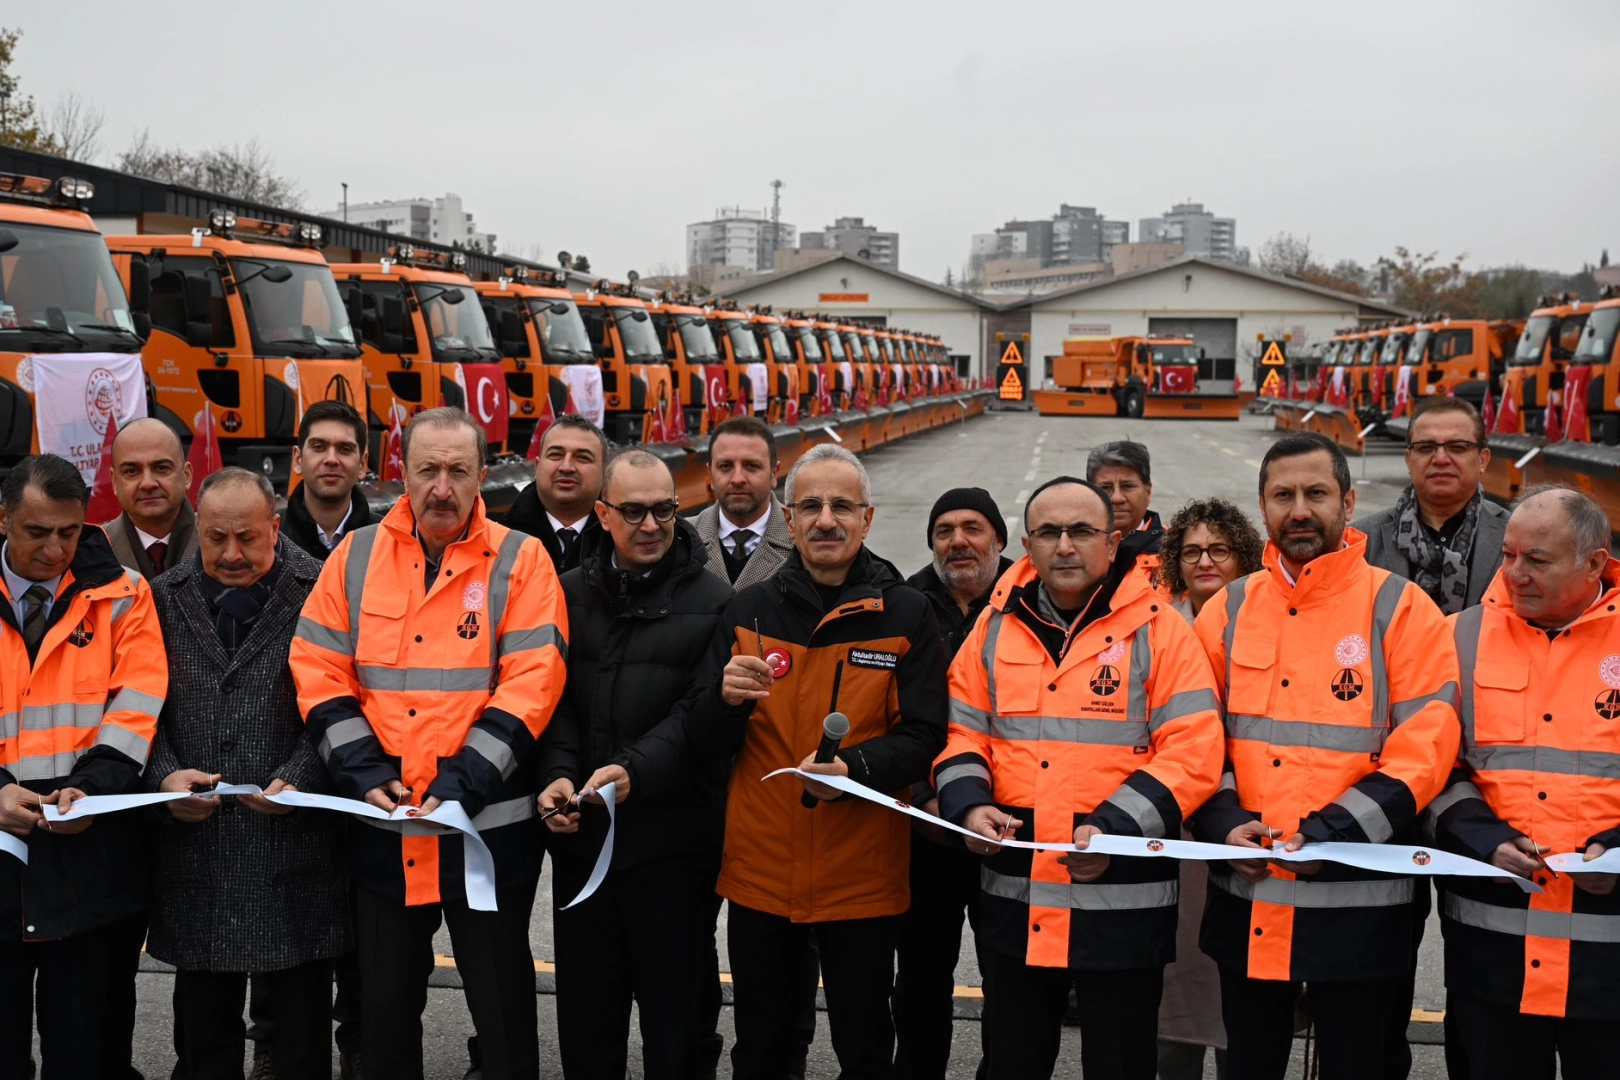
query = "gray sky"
{"x": 1463, "y": 126}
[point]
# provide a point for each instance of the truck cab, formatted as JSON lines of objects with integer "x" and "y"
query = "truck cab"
{"x": 862, "y": 364}
{"x": 248, "y": 330}
{"x": 1457, "y": 357}
{"x": 748, "y": 380}
{"x": 1597, "y": 361}
{"x": 542, "y": 341}
{"x": 814, "y": 388}
{"x": 838, "y": 366}
{"x": 59, "y": 295}
{"x": 689, "y": 348}
{"x": 635, "y": 375}
{"x": 1535, "y": 371}
{"x": 781, "y": 362}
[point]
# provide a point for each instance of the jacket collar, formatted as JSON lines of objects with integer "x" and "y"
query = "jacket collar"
{"x": 94, "y": 565}
{"x": 1323, "y": 576}
{"x": 1119, "y": 589}
{"x": 297, "y": 575}
{"x": 927, "y": 582}
{"x": 869, "y": 576}
{"x": 297, "y": 513}
{"x": 287, "y": 556}
{"x": 1497, "y": 598}
{"x": 685, "y": 558}
{"x": 776, "y": 529}
{"x": 401, "y": 521}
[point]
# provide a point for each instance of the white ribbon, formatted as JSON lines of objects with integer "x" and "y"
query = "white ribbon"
{"x": 604, "y": 859}
{"x": 1606, "y": 863}
{"x": 477, "y": 863}
{"x": 14, "y": 845}
{"x": 1384, "y": 858}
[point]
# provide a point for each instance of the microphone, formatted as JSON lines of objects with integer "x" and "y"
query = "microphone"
{"x": 833, "y": 730}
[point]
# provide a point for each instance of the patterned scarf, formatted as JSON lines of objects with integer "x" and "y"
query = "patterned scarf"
{"x": 236, "y": 610}
{"x": 1440, "y": 568}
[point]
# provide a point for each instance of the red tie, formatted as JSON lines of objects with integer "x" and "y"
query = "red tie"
{"x": 157, "y": 552}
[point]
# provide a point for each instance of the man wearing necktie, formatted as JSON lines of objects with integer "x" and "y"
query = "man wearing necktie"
{"x": 558, "y": 506}
{"x": 151, "y": 476}
{"x": 745, "y": 520}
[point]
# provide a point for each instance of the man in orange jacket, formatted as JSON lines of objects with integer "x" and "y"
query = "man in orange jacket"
{"x": 428, "y": 661}
{"x": 1534, "y": 979}
{"x": 82, "y": 679}
{"x": 1080, "y": 704}
{"x": 1339, "y": 684}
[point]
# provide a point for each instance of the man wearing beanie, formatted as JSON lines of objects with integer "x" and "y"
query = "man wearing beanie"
{"x": 967, "y": 534}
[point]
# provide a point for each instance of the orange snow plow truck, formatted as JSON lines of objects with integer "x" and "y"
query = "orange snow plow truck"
{"x": 1154, "y": 378}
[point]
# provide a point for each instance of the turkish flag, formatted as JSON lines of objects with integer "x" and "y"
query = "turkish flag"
{"x": 1177, "y": 379}
{"x": 204, "y": 457}
{"x": 393, "y": 448}
{"x": 1487, "y": 409}
{"x": 1551, "y": 428}
{"x": 104, "y": 505}
{"x": 548, "y": 416}
{"x": 1577, "y": 377}
{"x": 1403, "y": 380}
{"x": 487, "y": 400}
{"x": 1507, "y": 420}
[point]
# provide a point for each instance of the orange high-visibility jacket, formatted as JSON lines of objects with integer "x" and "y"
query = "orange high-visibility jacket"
{"x": 1122, "y": 733}
{"x": 446, "y": 689}
{"x": 1540, "y": 759}
{"x": 1341, "y": 724}
{"x": 82, "y": 716}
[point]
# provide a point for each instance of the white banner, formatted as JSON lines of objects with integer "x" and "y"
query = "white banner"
{"x": 759, "y": 379}
{"x": 76, "y": 394}
{"x": 585, "y": 386}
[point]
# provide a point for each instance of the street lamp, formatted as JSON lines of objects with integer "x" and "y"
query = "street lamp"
{"x": 345, "y": 203}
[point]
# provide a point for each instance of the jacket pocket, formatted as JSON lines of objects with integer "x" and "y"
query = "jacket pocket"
{"x": 1500, "y": 700}
{"x": 1253, "y": 676}
{"x": 1018, "y": 685}
{"x": 382, "y": 624}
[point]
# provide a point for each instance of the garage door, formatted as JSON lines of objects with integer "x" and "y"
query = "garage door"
{"x": 1217, "y": 337}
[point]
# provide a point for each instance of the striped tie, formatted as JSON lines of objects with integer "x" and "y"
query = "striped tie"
{"x": 33, "y": 627}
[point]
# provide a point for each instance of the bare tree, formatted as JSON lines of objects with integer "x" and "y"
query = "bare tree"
{"x": 75, "y": 125}
{"x": 1287, "y": 255}
{"x": 241, "y": 170}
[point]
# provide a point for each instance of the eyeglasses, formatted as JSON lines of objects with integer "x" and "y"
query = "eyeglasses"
{"x": 1455, "y": 448}
{"x": 843, "y": 509}
{"x": 1079, "y": 533}
{"x": 635, "y": 513}
{"x": 1218, "y": 554}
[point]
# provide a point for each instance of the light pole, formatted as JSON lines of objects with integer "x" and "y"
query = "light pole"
{"x": 345, "y": 202}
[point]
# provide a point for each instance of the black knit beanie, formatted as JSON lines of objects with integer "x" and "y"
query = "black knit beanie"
{"x": 969, "y": 498}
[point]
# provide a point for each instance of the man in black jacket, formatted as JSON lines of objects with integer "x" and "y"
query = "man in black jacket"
{"x": 331, "y": 456}
{"x": 968, "y": 534}
{"x": 558, "y": 507}
{"x": 642, "y": 612}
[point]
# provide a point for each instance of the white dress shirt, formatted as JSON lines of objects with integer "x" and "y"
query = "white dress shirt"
{"x": 755, "y": 531}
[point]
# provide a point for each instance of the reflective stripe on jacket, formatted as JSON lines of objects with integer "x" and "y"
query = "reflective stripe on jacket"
{"x": 1122, "y": 733}
{"x": 1341, "y": 723}
{"x": 446, "y": 689}
{"x": 1541, "y": 759}
{"x": 82, "y": 716}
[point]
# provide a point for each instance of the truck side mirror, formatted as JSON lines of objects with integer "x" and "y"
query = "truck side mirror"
{"x": 354, "y": 302}
{"x": 140, "y": 283}
{"x": 511, "y": 330}
{"x": 199, "y": 300}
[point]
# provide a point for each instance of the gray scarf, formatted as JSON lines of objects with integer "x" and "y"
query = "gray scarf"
{"x": 1440, "y": 568}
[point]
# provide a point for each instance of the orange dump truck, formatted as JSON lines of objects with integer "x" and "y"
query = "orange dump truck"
{"x": 781, "y": 362}
{"x": 635, "y": 377}
{"x": 1535, "y": 371}
{"x": 1136, "y": 377}
{"x": 248, "y": 329}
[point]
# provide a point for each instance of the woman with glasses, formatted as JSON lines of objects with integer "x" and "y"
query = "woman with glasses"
{"x": 1207, "y": 545}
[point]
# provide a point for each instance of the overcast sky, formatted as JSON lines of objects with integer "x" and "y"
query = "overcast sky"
{"x": 1463, "y": 126}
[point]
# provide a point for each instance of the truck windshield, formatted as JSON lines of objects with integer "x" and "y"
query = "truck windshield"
{"x": 457, "y": 327}
{"x": 637, "y": 333}
{"x": 1533, "y": 341}
{"x": 853, "y": 341}
{"x": 834, "y": 347}
{"x": 1419, "y": 346}
{"x": 744, "y": 346}
{"x": 1330, "y": 354}
{"x": 301, "y": 316}
{"x": 562, "y": 332}
{"x": 60, "y": 293}
{"x": 696, "y": 339}
{"x": 1369, "y": 350}
{"x": 1175, "y": 354}
{"x": 1597, "y": 340}
{"x": 1392, "y": 349}
{"x": 880, "y": 350}
{"x": 808, "y": 342}
{"x": 779, "y": 344}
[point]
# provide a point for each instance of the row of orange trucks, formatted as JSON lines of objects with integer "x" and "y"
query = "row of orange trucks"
{"x": 242, "y": 324}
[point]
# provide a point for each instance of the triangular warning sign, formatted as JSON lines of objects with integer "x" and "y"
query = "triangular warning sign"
{"x": 1272, "y": 386}
{"x": 1012, "y": 387}
{"x": 1012, "y": 355}
{"x": 1274, "y": 356}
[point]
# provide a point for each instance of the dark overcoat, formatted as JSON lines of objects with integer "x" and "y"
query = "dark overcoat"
{"x": 241, "y": 890}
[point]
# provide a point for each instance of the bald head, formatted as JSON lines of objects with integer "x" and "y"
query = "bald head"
{"x": 150, "y": 475}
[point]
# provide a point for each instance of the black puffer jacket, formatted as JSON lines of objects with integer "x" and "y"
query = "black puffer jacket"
{"x": 634, "y": 651}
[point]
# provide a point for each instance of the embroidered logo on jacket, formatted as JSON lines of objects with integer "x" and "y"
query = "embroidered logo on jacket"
{"x": 1608, "y": 704}
{"x": 873, "y": 659}
{"x": 82, "y": 635}
{"x": 1609, "y": 671}
{"x": 1350, "y": 650}
{"x": 1105, "y": 680}
{"x": 1347, "y": 684}
{"x": 472, "y": 597}
{"x": 468, "y": 626}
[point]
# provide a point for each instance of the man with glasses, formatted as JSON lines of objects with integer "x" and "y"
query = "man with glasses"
{"x": 642, "y": 612}
{"x": 1442, "y": 532}
{"x": 1123, "y": 471}
{"x": 835, "y": 631}
{"x": 1047, "y": 747}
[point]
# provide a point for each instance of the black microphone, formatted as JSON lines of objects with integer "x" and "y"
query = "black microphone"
{"x": 833, "y": 730}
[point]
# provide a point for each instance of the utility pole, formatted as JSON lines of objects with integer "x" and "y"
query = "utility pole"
{"x": 776, "y": 221}
{"x": 345, "y": 202}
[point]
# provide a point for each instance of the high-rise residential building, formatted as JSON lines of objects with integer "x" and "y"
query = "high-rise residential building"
{"x": 855, "y": 238}
{"x": 1074, "y": 236}
{"x": 437, "y": 221}
{"x": 1198, "y": 231}
{"x": 737, "y": 237}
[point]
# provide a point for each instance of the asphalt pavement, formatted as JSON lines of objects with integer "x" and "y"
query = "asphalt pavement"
{"x": 1009, "y": 454}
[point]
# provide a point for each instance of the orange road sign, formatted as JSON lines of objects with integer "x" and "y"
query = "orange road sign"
{"x": 1012, "y": 387}
{"x": 1012, "y": 355}
{"x": 1274, "y": 355}
{"x": 1273, "y": 384}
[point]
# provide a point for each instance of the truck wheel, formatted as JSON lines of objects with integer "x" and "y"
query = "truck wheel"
{"x": 1131, "y": 402}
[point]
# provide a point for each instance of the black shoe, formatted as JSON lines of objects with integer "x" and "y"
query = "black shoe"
{"x": 475, "y": 1061}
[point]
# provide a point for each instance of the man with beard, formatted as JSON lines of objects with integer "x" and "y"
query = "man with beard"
{"x": 968, "y": 534}
{"x": 1339, "y": 682}
{"x": 743, "y": 529}
{"x": 1124, "y": 472}
{"x": 558, "y": 506}
{"x": 331, "y": 456}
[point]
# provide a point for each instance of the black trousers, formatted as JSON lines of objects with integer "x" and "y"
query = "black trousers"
{"x": 208, "y": 1033}
{"x": 1119, "y": 1019}
{"x": 127, "y": 938}
{"x": 711, "y": 1042}
{"x": 64, "y": 984}
{"x": 1354, "y": 1024}
{"x": 641, "y": 938}
{"x": 345, "y": 1006}
{"x": 497, "y": 972}
{"x": 1505, "y": 1044}
{"x": 767, "y": 971}
{"x": 944, "y": 884}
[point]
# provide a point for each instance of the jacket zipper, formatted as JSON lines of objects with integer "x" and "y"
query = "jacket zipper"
{"x": 838, "y": 677}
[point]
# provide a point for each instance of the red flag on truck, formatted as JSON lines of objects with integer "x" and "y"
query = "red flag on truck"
{"x": 204, "y": 457}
